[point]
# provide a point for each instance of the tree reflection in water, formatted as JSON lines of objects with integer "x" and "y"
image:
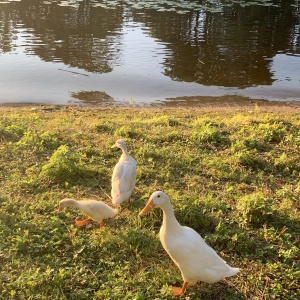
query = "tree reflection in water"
{"x": 224, "y": 44}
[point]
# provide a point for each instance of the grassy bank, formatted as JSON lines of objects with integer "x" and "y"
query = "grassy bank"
{"x": 232, "y": 175}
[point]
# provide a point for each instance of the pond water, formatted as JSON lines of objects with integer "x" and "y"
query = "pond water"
{"x": 148, "y": 52}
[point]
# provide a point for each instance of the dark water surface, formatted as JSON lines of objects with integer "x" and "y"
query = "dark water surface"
{"x": 146, "y": 52}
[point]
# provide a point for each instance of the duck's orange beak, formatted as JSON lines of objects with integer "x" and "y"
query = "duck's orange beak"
{"x": 150, "y": 205}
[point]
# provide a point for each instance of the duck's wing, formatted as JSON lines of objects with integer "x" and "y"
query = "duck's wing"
{"x": 123, "y": 178}
{"x": 92, "y": 208}
{"x": 190, "y": 248}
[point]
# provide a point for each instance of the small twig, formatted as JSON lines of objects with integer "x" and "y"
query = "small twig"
{"x": 231, "y": 284}
{"x": 92, "y": 272}
{"x": 61, "y": 290}
{"x": 77, "y": 73}
{"x": 102, "y": 189}
{"x": 282, "y": 231}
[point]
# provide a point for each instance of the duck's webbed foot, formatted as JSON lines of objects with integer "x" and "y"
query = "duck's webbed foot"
{"x": 82, "y": 222}
{"x": 177, "y": 291}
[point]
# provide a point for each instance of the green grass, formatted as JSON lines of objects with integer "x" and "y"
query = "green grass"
{"x": 232, "y": 175}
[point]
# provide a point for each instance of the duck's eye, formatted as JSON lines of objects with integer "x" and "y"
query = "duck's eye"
{"x": 158, "y": 196}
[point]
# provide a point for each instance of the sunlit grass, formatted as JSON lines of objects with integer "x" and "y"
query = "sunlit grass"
{"x": 232, "y": 175}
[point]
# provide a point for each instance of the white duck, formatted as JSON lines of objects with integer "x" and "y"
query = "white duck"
{"x": 95, "y": 210}
{"x": 124, "y": 175}
{"x": 195, "y": 259}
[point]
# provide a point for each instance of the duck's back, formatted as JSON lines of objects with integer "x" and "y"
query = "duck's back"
{"x": 97, "y": 210}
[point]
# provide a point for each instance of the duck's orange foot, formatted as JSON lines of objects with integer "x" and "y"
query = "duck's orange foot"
{"x": 176, "y": 291}
{"x": 101, "y": 226}
{"x": 82, "y": 222}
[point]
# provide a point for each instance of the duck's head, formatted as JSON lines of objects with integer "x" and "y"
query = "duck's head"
{"x": 64, "y": 203}
{"x": 157, "y": 199}
{"x": 119, "y": 144}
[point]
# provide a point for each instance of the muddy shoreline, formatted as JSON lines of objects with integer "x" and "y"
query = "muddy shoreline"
{"x": 203, "y": 102}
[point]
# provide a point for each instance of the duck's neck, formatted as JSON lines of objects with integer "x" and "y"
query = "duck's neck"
{"x": 125, "y": 154}
{"x": 71, "y": 202}
{"x": 170, "y": 223}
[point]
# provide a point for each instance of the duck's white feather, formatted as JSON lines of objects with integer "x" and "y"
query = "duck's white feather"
{"x": 196, "y": 260}
{"x": 124, "y": 176}
{"x": 97, "y": 210}
{"x": 123, "y": 181}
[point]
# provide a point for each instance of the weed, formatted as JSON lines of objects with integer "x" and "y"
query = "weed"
{"x": 126, "y": 131}
{"x": 254, "y": 208}
{"x": 209, "y": 133}
{"x": 63, "y": 164}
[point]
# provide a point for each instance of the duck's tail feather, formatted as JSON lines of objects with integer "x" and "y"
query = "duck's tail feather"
{"x": 232, "y": 271}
